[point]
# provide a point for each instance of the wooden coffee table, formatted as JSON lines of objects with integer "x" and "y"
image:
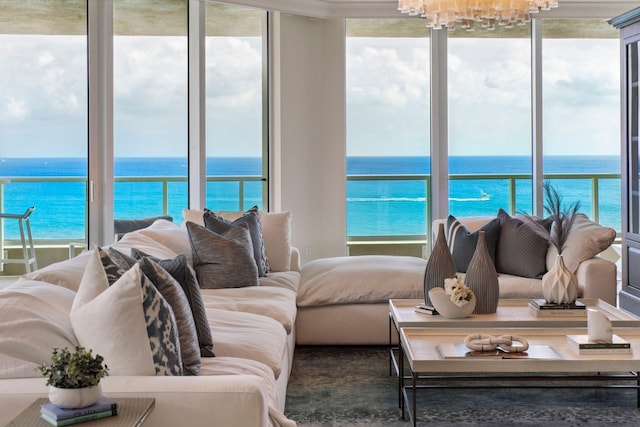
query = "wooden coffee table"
{"x": 512, "y": 313}
{"x": 428, "y": 369}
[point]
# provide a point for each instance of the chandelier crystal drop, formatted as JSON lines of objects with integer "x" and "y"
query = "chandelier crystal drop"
{"x": 465, "y": 14}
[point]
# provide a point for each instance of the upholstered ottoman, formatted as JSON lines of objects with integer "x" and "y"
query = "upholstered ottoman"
{"x": 345, "y": 300}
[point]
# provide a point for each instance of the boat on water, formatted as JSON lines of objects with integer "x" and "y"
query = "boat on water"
{"x": 483, "y": 197}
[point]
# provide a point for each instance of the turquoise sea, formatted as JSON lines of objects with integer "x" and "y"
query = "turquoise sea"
{"x": 378, "y": 207}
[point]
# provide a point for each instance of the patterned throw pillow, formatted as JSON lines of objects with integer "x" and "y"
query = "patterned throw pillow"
{"x": 219, "y": 225}
{"x": 223, "y": 260}
{"x": 521, "y": 251}
{"x": 180, "y": 270}
{"x": 128, "y": 322}
{"x": 171, "y": 290}
{"x": 462, "y": 242}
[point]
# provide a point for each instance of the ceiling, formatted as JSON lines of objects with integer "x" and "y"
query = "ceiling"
{"x": 167, "y": 17}
{"x": 388, "y": 8}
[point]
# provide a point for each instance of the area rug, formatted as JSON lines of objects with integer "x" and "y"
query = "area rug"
{"x": 352, "y": 386}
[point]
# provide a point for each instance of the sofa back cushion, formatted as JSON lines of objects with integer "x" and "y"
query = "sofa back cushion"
{"x": 34, "y": 318}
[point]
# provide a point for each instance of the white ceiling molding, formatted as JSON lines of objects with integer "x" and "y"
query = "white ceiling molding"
{"x": 389, "y": 8}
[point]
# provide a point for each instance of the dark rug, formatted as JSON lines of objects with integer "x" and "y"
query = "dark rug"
{"x": 351, "y": 386}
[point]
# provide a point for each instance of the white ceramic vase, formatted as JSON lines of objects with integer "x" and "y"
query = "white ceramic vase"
{"x": 74, "y": 397}
{"x": 559, "y": 285}
{"x": 446, "y": 308}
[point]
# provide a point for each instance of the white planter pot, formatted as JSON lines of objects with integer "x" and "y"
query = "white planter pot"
{"x": 74, "y": 397}
{"x": 446, "y": 308}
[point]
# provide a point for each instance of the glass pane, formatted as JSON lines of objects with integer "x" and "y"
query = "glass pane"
{"x": 581, "y": 115}
{"x": 235, "y": 108}
{"x": 150, "y": 108}
{"x": 43, "y": 119}
{"x": 388, "y": 127}
{"x": 489, "y": 121}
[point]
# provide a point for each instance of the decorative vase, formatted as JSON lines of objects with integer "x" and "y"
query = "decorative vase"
{"x": 559, "y": 285}
{"x": 482, "y": 278}
{"x": 440, "y": 265}
{"x": 447, "y": 308}
{"x": 74, "y": 397}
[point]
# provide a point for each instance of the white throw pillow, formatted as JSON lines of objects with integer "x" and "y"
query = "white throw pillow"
{"x": 586, "y": 240}
{"x": 111, "y": 321}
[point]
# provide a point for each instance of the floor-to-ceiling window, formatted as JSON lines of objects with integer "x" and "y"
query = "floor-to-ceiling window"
{"x": 43, "y": 117}
{"x": 489, "y": 97}
{"x": 581, "y": 114}
{"x": 236, "y": 105}
{"x": 388, "y": 128}
{"x": 150, "y": 108}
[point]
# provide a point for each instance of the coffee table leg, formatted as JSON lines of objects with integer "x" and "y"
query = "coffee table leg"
{"x": 401, "y": 378}
{"x": 414, "y": 384}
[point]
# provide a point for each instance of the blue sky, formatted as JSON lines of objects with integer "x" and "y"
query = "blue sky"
{"x": 43, "y": 96}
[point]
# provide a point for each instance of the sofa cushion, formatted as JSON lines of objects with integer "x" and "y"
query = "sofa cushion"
{"x": 67, "y": 273}
{"x": 143, "y": 243}
{"x": 129, "y": 323}
{"x": 186, "y": 277}
{"x": 34, "y": 318}
{"x": 276, "y": 303}
{"x": 283, "y": 279}
{"x": 520, "y": 250}
{"x": 123, "y": 226}
{"x": 361, "y": 280}
{"x": 219, "y": 225}
{"x": 175, "y": 296}
{"x": 462, "y": 242}
{"x": 586, "y": 240}
{"x": 250, "y": 336}
{"x": 223, "y": 260}
{"x": 169, "y": 235}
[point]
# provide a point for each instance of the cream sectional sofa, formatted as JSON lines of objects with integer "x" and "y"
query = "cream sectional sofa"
{"x": 253, "y": 331}
{"x": 344, "y": 300}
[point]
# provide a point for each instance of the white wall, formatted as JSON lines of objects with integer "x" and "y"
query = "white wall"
{"x": 309, "y": 131}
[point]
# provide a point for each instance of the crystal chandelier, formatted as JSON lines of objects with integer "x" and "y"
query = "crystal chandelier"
{"x": 465, "y": 13}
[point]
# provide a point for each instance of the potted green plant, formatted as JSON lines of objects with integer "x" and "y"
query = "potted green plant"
{"x": 74, "y": 377}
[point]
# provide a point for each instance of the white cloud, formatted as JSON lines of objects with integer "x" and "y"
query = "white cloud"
{"x": 17, "y": 109}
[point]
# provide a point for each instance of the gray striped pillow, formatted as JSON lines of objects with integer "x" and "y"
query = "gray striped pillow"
{"x": 462, "y": 243}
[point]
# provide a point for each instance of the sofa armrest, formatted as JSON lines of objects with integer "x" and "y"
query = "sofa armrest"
{"x": 295, "y": 259}
{"x": 225, "y": 400}
{"x": 597, "y": 278}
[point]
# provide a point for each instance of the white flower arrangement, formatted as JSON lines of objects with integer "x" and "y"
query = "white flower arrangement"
{"x": 458, "y": 292}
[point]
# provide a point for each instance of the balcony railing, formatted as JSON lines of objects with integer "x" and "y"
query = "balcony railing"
{"x": 595, "y": 184}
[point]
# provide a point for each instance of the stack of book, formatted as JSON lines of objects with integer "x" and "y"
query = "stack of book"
{"x": 542, "y": 308}
{"x": 57, "y": 416}
{"x": 426, "y": 309}
{"x": 582, "y": 345}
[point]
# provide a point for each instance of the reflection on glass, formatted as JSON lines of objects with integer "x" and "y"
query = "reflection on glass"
{"x": 235, "y": 107}
{"x": 43, "y": 117}
{"x": 150, "y": 108}
{"x": 388, "y": 127}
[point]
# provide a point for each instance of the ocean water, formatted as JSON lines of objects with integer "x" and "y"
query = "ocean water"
{"x": 374, "y": 208}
